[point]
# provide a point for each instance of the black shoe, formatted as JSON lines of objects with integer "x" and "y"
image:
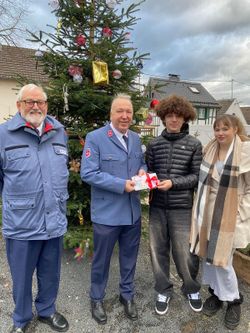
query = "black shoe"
{"x": 129, "y": 308}
{"x": 195, "y": 302}
{"x": 98, "y": 312}
{"x": 211, "y": 305}
{"x": 233, "y": 312}
{"x": 161, "y": 304}
{"x": 56, "y": 321}
{"x": 18, "y": 329}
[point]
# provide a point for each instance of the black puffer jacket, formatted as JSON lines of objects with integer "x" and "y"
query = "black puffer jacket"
{"x": 175, "y": 156}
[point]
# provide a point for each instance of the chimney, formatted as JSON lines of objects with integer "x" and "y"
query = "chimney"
{"x": 174, "y": 77}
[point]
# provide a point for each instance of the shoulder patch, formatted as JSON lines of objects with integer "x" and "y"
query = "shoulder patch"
{"x": 88, "y": 153}
{"x": 110, "y": 133}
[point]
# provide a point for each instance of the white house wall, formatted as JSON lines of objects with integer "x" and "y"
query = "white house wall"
{"x": 234, "y": 109}
{"x": 7, "y": 99}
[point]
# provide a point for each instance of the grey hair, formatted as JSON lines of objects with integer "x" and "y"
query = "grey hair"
{"x": 121, "y": 96}
{"x": 30, "y": 86}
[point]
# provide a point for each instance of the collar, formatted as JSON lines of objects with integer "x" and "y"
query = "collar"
{"x": 40, "y": 128}
{"x": 117, "y": 133}
{"x": 18, "y": 122}
{"x": 173, "y": 136}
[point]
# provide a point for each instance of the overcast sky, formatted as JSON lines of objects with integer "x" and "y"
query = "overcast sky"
{"x": 201, "y": 40}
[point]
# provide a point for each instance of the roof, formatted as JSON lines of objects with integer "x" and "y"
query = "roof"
{"x": 246, "y": 113}
{"x": 193, "y": 91}
{"x": 16, "y": 61}
{"x": 224, "y": 104}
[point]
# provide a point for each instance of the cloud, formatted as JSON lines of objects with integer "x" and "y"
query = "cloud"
{"x": 200, "y": 40}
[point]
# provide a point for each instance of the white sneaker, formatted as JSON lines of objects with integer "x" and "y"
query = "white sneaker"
{"x": 195, "y": 302}
{"x": 161, "y": 305}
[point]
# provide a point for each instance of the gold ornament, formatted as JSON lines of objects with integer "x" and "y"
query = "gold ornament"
{"x": 59, "y": 26}
{"x": 80, "y": 217}
{"x": 74, "y": 166}
{"x": 142, "y": 114}
{"x": 100, "y": 72}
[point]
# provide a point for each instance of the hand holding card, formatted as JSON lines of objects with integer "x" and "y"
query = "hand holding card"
{"x": 145, "y": 182}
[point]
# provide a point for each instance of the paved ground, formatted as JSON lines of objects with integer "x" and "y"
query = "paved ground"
{"x": 74, "y": 303}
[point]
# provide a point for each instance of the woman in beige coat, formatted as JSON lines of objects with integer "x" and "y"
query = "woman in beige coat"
{"x": 221, "y": 214}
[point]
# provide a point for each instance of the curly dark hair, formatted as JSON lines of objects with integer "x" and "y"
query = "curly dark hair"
{"x": 177, "y": 105}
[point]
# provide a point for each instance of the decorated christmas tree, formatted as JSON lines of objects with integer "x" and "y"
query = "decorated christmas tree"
{"x": 89, "y": 57}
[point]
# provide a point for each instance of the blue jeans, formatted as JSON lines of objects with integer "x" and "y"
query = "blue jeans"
{"x": 169, "y": 232}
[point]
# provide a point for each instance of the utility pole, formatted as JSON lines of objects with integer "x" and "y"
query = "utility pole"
{"x": 232, "y": 88}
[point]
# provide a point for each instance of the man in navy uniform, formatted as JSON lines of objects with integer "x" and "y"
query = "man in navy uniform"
{"x": 33, "y": 186}
{"x": 111, "y": 156}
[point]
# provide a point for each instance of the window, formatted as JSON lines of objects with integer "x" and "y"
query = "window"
{"x": 194, "y": 90}
{"x": 201, "y": 113}
{"x": 211, "y": 115}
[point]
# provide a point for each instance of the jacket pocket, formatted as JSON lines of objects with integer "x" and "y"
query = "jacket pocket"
{"x": 110, "y": 157}
{"x": 110, "y": 163}
{"x": 59, "y": 160}
{"x": 20, "y": 213}
{"x": 17, "y": 157}
{"x": 60, "y": 149}
{"x": 24, "y": 203}
{"x": 138, "y": 154}
{"x": 61, "y": 198}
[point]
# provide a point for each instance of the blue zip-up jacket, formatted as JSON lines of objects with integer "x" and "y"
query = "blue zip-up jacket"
{"x": 33, "y": 179}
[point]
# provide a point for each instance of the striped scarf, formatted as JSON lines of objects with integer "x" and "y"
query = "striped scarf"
{"x": 212, "y": 232}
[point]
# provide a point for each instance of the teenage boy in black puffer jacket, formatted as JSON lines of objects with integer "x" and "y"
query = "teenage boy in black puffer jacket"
{"x": 175, "y": 156}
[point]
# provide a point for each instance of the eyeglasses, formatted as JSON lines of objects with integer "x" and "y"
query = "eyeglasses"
{"x": 31, "y": 103}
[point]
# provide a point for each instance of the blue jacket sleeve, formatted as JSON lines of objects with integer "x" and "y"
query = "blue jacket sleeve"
{"x": 1, "y": 178}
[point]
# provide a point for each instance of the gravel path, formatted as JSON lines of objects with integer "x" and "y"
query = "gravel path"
{"x": 73, "y": 302}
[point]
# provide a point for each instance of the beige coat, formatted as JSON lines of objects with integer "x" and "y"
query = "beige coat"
{"x": 242, "y": 231}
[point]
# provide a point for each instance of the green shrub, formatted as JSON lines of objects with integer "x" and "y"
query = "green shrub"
{"x": 246, "y": 250}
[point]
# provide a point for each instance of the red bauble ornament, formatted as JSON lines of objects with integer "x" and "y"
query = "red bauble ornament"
{"x": 117, "y": 74}
{"x": 127, "y": 35}
{"x": 80, "y": 40}
{"x": 153, "y": 103}
{"x": 106, "y": 32}
{"x": 75, "y": 70}
{"x": 79, "y": 3}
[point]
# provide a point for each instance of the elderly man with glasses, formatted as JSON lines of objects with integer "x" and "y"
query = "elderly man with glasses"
{"x": 33, "y": 186}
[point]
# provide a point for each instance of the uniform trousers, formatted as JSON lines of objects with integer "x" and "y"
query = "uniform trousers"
{"x": 169, "y": 232}
{"x": 105, "y": 238}
{"x": 23, "y": 258}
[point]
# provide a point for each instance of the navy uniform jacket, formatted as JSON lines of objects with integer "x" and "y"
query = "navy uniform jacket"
{"x": 106, "y": 165}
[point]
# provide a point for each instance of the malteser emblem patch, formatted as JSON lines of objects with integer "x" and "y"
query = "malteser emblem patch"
{"x": 88, "y": 152}
{"x": 110, "y": 133}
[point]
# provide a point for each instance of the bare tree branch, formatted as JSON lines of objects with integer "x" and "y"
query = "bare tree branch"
{"x": 12, "y": 17}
